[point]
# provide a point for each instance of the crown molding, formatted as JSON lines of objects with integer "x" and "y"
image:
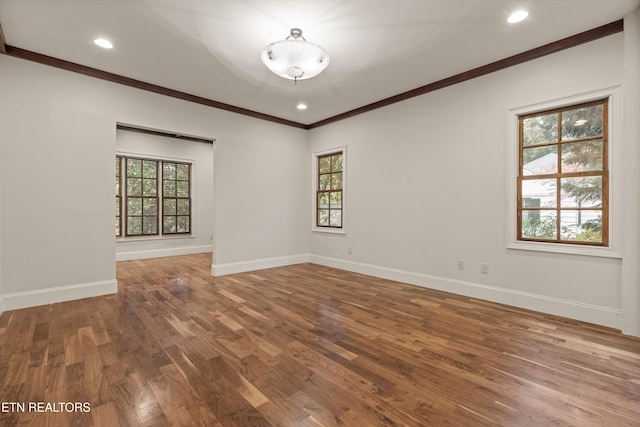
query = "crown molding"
{"x": 28, "y": 55}
{"x": 538, "y": 52}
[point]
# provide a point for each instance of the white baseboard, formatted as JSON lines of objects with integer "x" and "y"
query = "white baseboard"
{"x": 559, "y": 307}
{"x": 26, "y": 299}
{"x": 158, "y": 253}
{"x": 258, "y": 264}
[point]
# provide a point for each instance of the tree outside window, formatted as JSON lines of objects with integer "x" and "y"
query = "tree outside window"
{"x": 176, "y": 182}
{"x": 329, "y": 192}
{"x": 141, "y": 197}
{"x": 153, "y": 189}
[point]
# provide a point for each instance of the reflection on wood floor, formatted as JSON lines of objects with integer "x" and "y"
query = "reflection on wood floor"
{"x": 307, "y": 345}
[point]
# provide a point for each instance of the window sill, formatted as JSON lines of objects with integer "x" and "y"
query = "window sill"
{"x": 594, "y": 251}
{"x": 328, "y": 230}
{"x": 153, "y": 238}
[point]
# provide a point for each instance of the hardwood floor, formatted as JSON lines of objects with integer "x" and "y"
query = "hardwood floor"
{"x": 306, "y": 345}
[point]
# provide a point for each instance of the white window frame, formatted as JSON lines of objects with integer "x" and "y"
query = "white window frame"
{"x": 512, "y": 150}
{"x": 314, "y": 189}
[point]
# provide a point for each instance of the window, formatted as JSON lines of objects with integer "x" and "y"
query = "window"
{"x": 329, "y": 170}
{"x": 141, "y": 197}
{"x": 176, "y": 202}
{"x": 145, "y": 201}
{"x": 118, "y": 195}
{"x": 563, "y": 178}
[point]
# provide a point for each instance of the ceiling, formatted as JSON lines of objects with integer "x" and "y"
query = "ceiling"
{"x": 378, "y": 48}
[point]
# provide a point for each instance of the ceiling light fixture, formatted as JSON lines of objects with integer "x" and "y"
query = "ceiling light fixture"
{"x": 103, "y": 43}
{"x": 295, "y": 58}
{"x": 517, "y": 16}
{"x": 301, "y": 106}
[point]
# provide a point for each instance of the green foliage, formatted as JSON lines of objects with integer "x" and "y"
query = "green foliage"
{"x": 583, "y": 155}
{"x": 592, "y": 231}
{"x": 546, "y": 227}
{"x": 540, "y": 129}
{"x": 583, "y": 190}
{"x": 539, "y": 228}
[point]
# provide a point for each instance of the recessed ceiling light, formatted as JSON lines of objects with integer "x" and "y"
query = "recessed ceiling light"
{"x": 301, "y": 106}
{"x": 518, "y": 16}
{"x": 103, "y": 43}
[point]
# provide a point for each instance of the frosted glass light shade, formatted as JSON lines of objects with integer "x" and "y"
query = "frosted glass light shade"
{"x": 295, "y": 58}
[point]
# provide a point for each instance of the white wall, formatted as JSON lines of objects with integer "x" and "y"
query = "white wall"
{"x": 201, "y": 156}
{"x": 2, "y": 108}
{"x": 631, "y": 177}
{"x": 261, "y": 190}
{"x": 55, "y": 242}
{"x": 427, "y": 187}
{"x": 57, "y": 157}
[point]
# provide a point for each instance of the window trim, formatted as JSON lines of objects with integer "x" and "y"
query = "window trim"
{"x": 613, "y": 165}
{"x": 314, "y": 190}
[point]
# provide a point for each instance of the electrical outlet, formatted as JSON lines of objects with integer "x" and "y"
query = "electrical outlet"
{"x": 349, "y": 250}
{"x": 460, "y": 265}
{"x": 484, "y": 268}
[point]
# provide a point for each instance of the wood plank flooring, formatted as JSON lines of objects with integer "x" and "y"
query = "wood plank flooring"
{"x": 307, "y": 345}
